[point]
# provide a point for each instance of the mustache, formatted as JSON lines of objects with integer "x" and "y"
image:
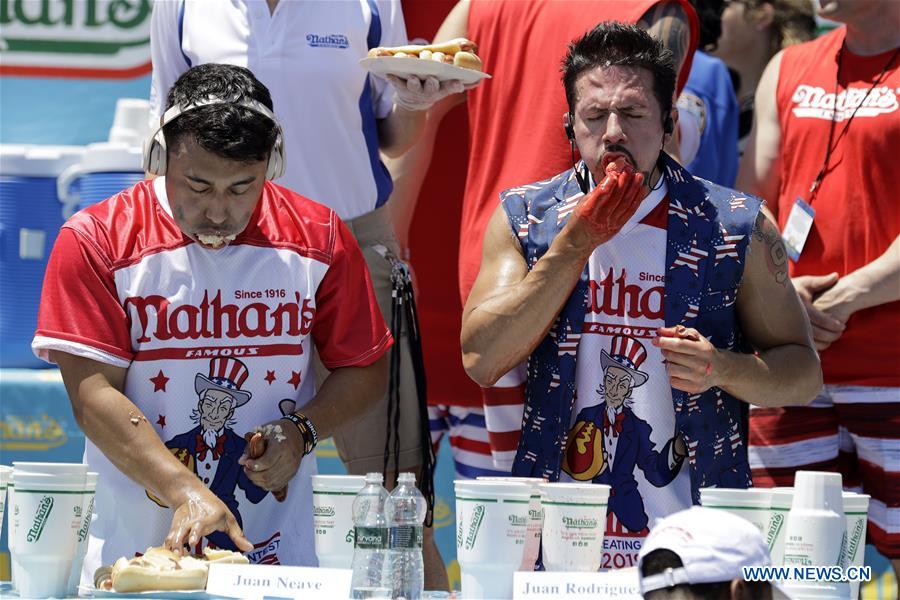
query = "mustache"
{"x": 620, "y": 150}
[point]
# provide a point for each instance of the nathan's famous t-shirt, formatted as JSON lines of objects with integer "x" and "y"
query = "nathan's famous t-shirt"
{"x": 623, "y": 427}
{"x": 216, "y": 342}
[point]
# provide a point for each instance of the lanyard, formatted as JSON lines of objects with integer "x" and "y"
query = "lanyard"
{"x": 829, "y": 148}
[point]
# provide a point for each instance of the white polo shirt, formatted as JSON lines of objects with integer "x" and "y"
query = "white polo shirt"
{"x": 307, "y": 53}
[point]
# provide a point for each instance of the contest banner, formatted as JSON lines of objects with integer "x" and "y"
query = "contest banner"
{"x": 75, "y": 38}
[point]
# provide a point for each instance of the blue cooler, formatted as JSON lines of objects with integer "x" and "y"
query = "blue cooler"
{"x": 106, "y": 169}
{"x": 30, "y": 218}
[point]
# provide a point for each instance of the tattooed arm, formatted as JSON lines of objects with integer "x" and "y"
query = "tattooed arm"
{"x": 786, "y": 369}
{"x": 668, "y": 23}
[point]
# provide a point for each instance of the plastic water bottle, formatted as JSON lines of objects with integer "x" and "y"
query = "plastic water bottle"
{"x": 371, "y": 539}
{"x": 405, "y": 509}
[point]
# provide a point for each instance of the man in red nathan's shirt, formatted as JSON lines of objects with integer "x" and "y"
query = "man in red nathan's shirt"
{"x": 183, "y": 313}
{"x": 822, "y": 153}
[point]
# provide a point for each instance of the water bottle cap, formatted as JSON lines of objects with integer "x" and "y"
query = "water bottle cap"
{"x": 407, "y": 477}
{"x": 374, "y": 478}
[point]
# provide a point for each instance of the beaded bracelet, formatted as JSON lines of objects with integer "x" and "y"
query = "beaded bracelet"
{"x": 307, "y": 430}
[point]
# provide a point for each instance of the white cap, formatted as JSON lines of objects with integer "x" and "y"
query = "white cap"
{"x": 712, "y": 544}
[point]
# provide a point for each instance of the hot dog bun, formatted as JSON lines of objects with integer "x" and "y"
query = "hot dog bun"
{"x": 160, "y": 569}
{"x": 467, "y": 60}
{"x": 443, "y": 52}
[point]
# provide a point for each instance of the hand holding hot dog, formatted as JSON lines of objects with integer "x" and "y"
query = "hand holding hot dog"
{"x": 605, "y": 209}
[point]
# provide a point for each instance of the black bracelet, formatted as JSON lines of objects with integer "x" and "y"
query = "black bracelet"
{"x": 307, "y": 430}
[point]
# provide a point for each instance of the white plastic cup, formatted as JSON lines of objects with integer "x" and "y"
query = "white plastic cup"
{"x": 752, "y": 504}
{"x": 816, "y": 527}
{"x": 87, "y": 511}
{"x": 535, "y": 520}
{"x": 333, "y": 497}
{"x": 130, "y": 123}
{"x": 4, "y": 482}
{"x": 780, "y": 507}
{"x": 46, "y": 513}
{"x": 856, "y": 511}
{"x": 491, "y": 526}
{"x": 574, "y": 524}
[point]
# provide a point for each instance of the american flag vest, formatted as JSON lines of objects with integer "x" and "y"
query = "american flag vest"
{"x": 708, "y": 230}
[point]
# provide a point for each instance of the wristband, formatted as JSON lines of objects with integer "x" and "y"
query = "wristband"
{"x": 307, "y": 430}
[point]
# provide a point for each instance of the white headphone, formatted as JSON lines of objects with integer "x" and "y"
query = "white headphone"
{"x": 155, "y": 144}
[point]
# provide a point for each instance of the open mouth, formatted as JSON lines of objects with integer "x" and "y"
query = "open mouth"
{"x": 214, "y": 240}
{"x": 617, "y": 161}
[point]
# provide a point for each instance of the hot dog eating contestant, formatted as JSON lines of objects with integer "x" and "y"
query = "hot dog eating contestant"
{"x": 704, "y": 315}
{"x": 183, "y": 313}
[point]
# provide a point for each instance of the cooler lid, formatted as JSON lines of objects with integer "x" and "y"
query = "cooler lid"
{"x": 32, "y": 160}
{"x": 111, "y": 156}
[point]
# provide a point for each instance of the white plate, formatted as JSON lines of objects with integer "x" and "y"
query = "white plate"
{"x": 91, "y": 592}
{"x": 405, "y": 66}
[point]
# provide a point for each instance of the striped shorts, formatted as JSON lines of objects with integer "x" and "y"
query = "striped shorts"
{"x": 851, "y": 430}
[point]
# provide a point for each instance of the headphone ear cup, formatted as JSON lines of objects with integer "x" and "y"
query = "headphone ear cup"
{"x": 567, "y": 125}
{"x": 155, "y": 154}
{"x": 275, "y": 168}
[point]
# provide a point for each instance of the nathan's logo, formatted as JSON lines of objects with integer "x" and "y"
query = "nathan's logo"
{"x": 86, "y": 523}
{"x": 580, "y": 523}
{"x": 615, "y": 297}
{"x": 817, "y": 103}
{"x": 333, "y": 40}
{"x": 775, "y": 525}
{"x": 92, "y": 38}
{"x": 161, "y": 320}
{"x": 855, "y": 537}
{"x": 535, "y": 514}
{"x": 30, "y": 432}
{"x": 323, "y": 511}
{"x": 474, "y": 526}
{"x": 40, "y": 519}
{"x": 517, "y": 521}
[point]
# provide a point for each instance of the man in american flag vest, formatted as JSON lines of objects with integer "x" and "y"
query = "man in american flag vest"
{"x": 628, "y": 242}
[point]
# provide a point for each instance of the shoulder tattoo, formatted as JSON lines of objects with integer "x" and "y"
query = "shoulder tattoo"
{"x": 668, "y": 23}
{"x": 773, "y": 248}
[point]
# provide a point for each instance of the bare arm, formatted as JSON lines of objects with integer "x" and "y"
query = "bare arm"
{"x": 120, "y": 430}
{"x": 511, "y": 308}
{"x": 668, "y": 23}
{"x": 408, "y": 170}
{"x": 400, "y": 130}
{"x": 785, "y": 370}
{"x": 759, "y": 171}
{"x": 872, "y": 285}
{"x": 346, "y": 395}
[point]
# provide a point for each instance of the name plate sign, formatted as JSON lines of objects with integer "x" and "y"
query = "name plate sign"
{"x": 274, "y": 581}
{"x": 621, "y": 584}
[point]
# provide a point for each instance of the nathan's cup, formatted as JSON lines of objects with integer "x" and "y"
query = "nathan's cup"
{"x": 333, "y": 497}
{"x": 574, "y": 524}
{"x": 752, "y": 505}
{"x": 46, "y": 514}
{"x": 535, "y": 519}
{"x": 491, "y": 526}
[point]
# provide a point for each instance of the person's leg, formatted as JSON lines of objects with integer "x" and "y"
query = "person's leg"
{"x": 872, "y": 416}
{"x": 785, "y": 440}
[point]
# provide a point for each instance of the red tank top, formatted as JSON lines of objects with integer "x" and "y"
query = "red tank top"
{"x": 857, "y": 213}
{"x": 515, "y": 119}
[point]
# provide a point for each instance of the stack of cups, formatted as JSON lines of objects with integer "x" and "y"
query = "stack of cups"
{"x": 45, "y": 508}
{"x": 333, "y": 497}
{"x": 491, "y": 525}
{"x": 535, "y": 520}
{"x": 87, "y": 511}
{"x": 751, "y": 505}
{"x": 574, "y": 524}
{"x": 816, "y": 529}
{"x": 856, "y": 508}
{"x": 780, "y": 506}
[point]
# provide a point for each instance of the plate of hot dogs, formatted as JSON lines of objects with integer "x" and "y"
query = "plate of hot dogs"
{"x": 456, "y": 59}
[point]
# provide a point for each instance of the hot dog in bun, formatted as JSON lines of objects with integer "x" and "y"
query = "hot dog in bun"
{"x": 459, "y": 52}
